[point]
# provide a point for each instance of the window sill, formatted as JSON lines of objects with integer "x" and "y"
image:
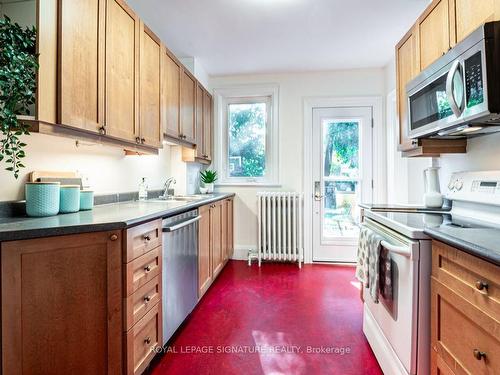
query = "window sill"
{"x": 249, "y": 184}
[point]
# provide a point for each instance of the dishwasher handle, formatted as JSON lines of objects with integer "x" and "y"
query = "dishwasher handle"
{"x": 182, "y": 224}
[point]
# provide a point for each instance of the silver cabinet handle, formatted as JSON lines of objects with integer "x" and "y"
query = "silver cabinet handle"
{"x": 182, "y": 224}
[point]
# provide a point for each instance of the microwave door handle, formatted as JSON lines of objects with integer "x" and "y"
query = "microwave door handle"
{"x": 449, "y": 89}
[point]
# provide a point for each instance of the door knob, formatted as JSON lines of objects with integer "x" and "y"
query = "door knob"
{"x": 317, "y": 191}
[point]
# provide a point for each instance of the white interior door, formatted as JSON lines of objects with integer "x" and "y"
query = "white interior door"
{"x": 342, "y": 178}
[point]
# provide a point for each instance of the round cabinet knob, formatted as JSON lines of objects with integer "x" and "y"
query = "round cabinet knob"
{"x": 102, "y": 130}
{"x": 481, "y": 285}
{"x": 137, "y": 140}
{"x": 479, "y": 354}
{"x": 147, "y": 238}
{"x": 147, "y": 340}
{"x": 147, "y": 298}
{"x": 113, "y": 237}
{"x": 143, "y": 140}
{"x": 147, "y": 268}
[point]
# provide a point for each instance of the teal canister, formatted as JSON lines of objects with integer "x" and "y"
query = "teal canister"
{"x": 70, "y": 199}
{"x": 42, "y": 198}
{"x": 86, "y": 200}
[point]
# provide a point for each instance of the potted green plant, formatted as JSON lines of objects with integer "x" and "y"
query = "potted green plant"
{"x": 208, "y": 177}
{"x": 18, "y": 66}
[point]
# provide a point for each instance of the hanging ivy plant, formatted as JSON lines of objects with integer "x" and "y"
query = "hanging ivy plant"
{"x": 18, "y": 66}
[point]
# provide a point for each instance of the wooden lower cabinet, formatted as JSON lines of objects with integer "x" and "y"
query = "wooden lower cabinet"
{"x": 215, "y": 241}
{"x": 62, "y": 305}
{"x": 465, "y": 313}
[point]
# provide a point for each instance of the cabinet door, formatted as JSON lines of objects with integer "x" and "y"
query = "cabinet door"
{"x": 224, "y": 232}
{"x": 216, "y": 233}
{"x": 188, "y": 99}
{"x": 62, "y": 305}
{"x": 171, "y": 95}
{"x": 204, "y": 247}
{"x": 406, "y": 69}
{"x": 150, "y": 104}
{"x": 230, "y": 228}
{"x": 122, "y": 71}
{"x": 434, "y": 32}
{"x": 81, "y": 64}
{"x": 469, "y": 15}
{"x": 199, "y": 121}
{"x": 207, "y": 126}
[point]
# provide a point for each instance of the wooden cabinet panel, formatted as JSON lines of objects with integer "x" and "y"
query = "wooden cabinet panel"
{"x": 460, "y": 331}
{"x": 224, "y": 226}
{"x": 188, "y": 99}
{"x": 207, "y": 126}
{"x": 150, "y": 84}
{"x": 406, "y": 70}
{"x": 122, "y": 71}
{"x": 142, "y": 339}
{"x": 204, "y": 251}
{"x": 141, "y": 239}
{"x": 434, "y": 33}
{"x": 62, "y": 305}
{"x": 171, "y": 95}
{"x": 199, "y": 120}
{"x": 81, "y": 64}
{"x": 216, "y": 234}
{"x": 230, "y": 227}
{"x": 469, "y": 15}
{"x": 142, "y": 270}
{"x": 143, "y": 300}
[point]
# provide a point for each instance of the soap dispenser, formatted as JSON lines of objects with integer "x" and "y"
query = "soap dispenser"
{"x": 143, "y": 190}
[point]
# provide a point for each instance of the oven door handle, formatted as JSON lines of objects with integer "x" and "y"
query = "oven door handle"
{"x": 405, "y": 251}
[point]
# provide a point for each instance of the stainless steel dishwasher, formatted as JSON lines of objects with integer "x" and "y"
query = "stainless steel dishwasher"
{"x": 180, "y": 270}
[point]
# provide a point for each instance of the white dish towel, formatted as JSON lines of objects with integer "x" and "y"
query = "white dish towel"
{"x": 367, "y": 268}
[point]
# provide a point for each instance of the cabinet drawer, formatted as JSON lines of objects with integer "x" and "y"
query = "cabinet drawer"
{"x": 142, "y": 270}
{"x": 472, "y": 278}
{"x": 141, "y": 340}
{"x": 140, "y": 302}
{"x": 460, "y": 331}
{"x": 141, "y": 239}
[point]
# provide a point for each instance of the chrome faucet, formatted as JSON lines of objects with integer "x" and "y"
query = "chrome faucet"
{"x": 169, "y": 182}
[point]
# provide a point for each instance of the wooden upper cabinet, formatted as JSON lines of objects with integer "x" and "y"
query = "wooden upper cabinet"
{"x": 207, "y": 126}
{"x": 188, "y": 100}
{"x": 469, "y": 15}
{"x": 150, "y": 84}
{"x": 62, "y": 305}
{"x": 434, "y": 32}
{"x": 171, "y": 95}
{"x": 406, "y": 70}
{"x": 81, "y": 64}
{"x": 199, "y": 121}
{"x": 122, "y": 71}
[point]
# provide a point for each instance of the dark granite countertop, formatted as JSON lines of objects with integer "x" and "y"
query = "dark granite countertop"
{"x": 481, "y": 242}
{"x": 102, "y": 217}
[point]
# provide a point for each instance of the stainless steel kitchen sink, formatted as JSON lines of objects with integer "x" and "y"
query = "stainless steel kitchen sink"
{"x": 183, "y": 198}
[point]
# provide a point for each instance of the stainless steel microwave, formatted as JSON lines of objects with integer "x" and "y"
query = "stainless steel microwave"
{"x": 459, "y": 94}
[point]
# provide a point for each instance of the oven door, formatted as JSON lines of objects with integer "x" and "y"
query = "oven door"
{"x": 453, "y": 95}
{"x": 391, "y": 327}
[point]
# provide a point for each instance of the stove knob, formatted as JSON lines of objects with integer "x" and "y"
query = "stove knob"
{"x": 459, "y": 185}
{"x": 451, "y": 185}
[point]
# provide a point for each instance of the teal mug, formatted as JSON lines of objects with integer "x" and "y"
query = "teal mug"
{"x": 70, "y": 199}
{"x": 42, "y": 198}
{"x": 86, "y": 200}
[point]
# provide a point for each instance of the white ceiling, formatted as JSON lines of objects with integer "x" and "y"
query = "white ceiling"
{"x": 262, "y": 36}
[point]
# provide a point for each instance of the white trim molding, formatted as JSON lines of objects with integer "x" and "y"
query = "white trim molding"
{"x": 379, "y": 154}
{"x": 222, "y": 97}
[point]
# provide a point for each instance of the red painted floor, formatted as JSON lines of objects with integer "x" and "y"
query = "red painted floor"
{"x": 293, "y": 317}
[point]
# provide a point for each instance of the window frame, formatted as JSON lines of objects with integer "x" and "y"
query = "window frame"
{"x": 246, "y": 95}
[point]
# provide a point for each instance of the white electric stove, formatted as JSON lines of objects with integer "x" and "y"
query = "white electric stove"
{"x": 399, "y": 330}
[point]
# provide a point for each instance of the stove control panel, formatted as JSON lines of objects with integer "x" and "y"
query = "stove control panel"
{"x": 481, "y": 187}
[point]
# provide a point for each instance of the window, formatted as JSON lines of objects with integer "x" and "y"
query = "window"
{"x": 247, "y": 126}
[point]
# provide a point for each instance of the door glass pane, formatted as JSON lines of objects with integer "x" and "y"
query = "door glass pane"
{"x": 341, "y": 212}
{"x": 247, "y": 139}
{"x": 341, "y": 149}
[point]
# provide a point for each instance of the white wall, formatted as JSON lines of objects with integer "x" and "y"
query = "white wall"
{"x": 293, "y": 89}
{"x": 106, "y": 168}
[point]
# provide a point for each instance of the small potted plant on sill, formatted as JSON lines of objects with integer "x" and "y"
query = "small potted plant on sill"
{"x": 208, "y": 177}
